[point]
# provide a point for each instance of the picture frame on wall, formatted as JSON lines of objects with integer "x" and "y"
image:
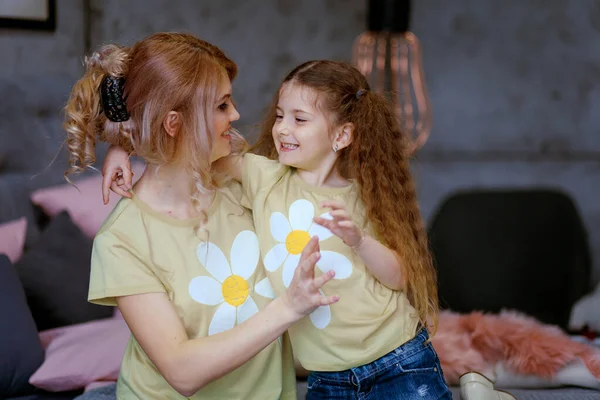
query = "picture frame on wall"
{"x": 28, "y": 14}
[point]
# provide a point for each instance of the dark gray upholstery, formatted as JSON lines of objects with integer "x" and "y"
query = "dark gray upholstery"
{"x": 21, "y": 352}
{"x": 55, "y": 273}
{"x": 518, "y": 249}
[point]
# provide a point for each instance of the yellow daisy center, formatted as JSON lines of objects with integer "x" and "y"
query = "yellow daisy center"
{"x": 296, "y": 241}
{"x": 235, "y": 290}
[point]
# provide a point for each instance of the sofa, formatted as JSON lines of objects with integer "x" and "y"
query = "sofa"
{"x": 513, "y": 249}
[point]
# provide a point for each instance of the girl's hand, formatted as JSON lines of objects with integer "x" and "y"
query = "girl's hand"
{"x": 341, "y": 225}
{"x": 116, "y": 173}
{"x": 303, "y": 296}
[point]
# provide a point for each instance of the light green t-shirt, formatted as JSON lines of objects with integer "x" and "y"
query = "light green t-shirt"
{"x": 370, "y": 319}
{"x": 215, "y": 278}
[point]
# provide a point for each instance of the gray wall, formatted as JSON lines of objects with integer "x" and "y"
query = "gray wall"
{"x": 265, "y": 38}
{"x": 515, "y": 93}
{"x": 513, "y": 84}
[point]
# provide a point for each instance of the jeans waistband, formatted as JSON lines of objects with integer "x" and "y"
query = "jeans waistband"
{"x": 405, "y": 350}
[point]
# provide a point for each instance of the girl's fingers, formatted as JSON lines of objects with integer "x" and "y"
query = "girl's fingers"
{"x": 128, "y": 176}
{"x": 107, "y": 183}
{"x": 346, "y": 224}
{"x": 119, "y": 190}
{"x": 327, "y": 223}
{"x": 332, "y": 204}
{"x": 339, "y": 214}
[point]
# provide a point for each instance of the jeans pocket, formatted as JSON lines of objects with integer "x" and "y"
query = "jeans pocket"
{"x": 422, "y": 361}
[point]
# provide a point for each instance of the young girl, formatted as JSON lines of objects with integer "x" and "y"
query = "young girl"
{"x": 180, "y": 258}
{"x": 335, "y": 166}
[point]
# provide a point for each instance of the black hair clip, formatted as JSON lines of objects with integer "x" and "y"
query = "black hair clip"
{"x": 111, "y": 97}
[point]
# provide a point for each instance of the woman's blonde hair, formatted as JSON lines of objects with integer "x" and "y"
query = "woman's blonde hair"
{"x": 163, "y": 72}
{"x": 377, "y": 159}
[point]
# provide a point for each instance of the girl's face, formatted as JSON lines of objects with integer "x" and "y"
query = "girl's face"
{"x": 223, "y": 115}
{"x": 301, "y": 131}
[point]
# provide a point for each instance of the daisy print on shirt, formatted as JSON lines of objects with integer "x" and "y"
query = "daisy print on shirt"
{"x": 292, "y": 235}
{"x": 228, "y": 286}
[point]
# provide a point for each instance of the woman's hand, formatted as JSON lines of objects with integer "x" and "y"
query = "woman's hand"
{"x": 341, "y": 225}
{"x": 303, "y": 295}
{"x": 116, "y": 173}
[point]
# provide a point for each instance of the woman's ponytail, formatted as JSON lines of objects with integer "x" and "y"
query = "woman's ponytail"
{"x": 85, "y": 120}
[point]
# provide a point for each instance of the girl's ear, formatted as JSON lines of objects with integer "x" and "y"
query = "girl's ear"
{"x": 344, "y": 136}
{"x": 172, "y": 123}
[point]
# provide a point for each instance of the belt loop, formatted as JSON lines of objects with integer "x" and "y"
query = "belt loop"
{"x": 353, "y": 379}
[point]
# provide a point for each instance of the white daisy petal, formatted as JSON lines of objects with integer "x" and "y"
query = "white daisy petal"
{"x": 244, "y": 254}
{"x": 265, "y": 289}
{"x": 275, "y": 257}
{"x": 302, "y": 213}
{"x": 280, "y": 227}
{"x": 321, "y": 316}
{"x": 319, "y": 230}
{"x": 213, "y": 259}
{"x": 223, "y": 320}
{"x": 289, "y": 267}
{"x": 206, "y": 290}
{"x": 331, "y": 260}
{"x": 246, "y": 310}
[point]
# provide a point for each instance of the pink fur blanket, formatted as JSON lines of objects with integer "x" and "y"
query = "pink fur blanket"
{"x": 478, "y": 341}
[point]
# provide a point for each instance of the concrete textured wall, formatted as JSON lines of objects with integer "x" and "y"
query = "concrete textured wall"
{"x": 46, "y": 53}
{"x": 265, "y": 38}
{"x": 515, "y": 91}
{"x": 514, "y": 84}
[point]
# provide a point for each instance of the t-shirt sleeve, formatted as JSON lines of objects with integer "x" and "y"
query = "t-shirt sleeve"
{"x": 258, "y": 172}
{"x": 118, "y": 269}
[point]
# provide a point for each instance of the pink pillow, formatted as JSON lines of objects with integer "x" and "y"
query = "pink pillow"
{"x": 80, "y": 355}
{"x": 12, "y": 238}
{"x": 85, "y": 205}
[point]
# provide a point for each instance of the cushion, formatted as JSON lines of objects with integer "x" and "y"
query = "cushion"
{"x": 525, "y": 250}
{"x": 83, "y": 355}
{"x": 84, "y": 202}
{"x": 55, "y": 274}
{"x": 12, "y": 238}
{"x": 585, "y": 314}
{"x": 43, "y": 395}
{"x": 20, "y": 348}
{"x": 15, "y": 203}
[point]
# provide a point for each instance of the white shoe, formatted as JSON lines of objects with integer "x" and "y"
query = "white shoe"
{"x": 474, "y": 386}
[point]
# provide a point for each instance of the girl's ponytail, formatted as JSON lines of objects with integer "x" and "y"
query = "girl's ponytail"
{"x": 378, "y": 160}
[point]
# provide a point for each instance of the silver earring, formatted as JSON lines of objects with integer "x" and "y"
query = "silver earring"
{"x": 335, "y": 148}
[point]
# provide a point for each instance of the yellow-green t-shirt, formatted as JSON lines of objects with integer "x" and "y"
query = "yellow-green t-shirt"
{"x": 213, "y": 276}
{"x": 370, "y": 319}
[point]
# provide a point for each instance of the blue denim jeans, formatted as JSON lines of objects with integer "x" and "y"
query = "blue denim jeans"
{"x": 412, "y": 371}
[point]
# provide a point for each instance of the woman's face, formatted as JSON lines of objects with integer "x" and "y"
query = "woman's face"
{"x": 224, "y": 114}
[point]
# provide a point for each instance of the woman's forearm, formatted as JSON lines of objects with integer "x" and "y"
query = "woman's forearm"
{"x": 190, "y": 364}
{"x": 203, "y": 360}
